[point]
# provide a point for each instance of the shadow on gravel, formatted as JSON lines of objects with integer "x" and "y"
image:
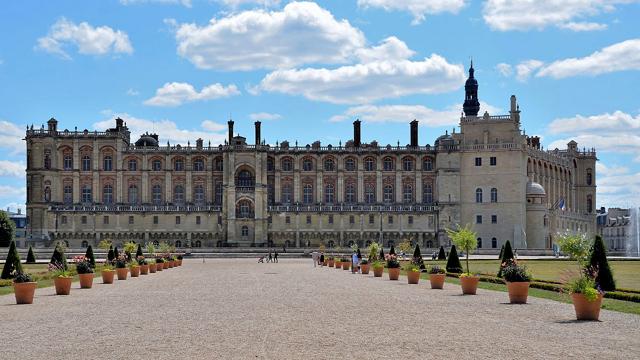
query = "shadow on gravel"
{"x": 574, "y": 321}
{"x": 506, "y": 303}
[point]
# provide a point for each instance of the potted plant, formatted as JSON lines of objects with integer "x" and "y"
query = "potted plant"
{"x": 330, "y": 261}
{"x": 364, "y": 266}
{"x": 517, "y": 278}
{"x": 585, "y": 292}
{"x": 393, "y": 266}
{"x": 338, "y": 263}
{"x": 134, "y": 268}
{"x": 107, "y": 273}
{"x": 179, "y": 260}
{"x": 413, "y": 273}
{"x": 436, "y": 277}
{"x": 121, "y": 267}
{"x": 166, "y": 264}
{"x": 24, "y": 288}
{"x": 159, "y": 263}
{"x": 346, "y": 263}
{"x": 152, "y": 266}
{"x": 144, "y": 266}
{"x": 465, "y": 239}
{"x": 85, "y": 271}
{"x": 378, "y": 268}
{"x": 61, "y": 278}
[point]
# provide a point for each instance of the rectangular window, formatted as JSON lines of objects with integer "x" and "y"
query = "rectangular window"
{"x": 130, "y": 220}
{"x": 478, "y": 161}
{"x": 410, "y": 220}
{"x": 105, "y": 220}
{"x": 308, "y": 219}
{"x": 352, "y": 220}
{"x": 64, "y": 220}
{"x": 177, "y": 220}
{"x": 372, "y": 219}
{"x": 478, "y": 219}
{"x": 330, "y": 219}
{"x": 287, "y": 220}
{"x": 83, "y": 220}
{"x": 197, "y": 220}
{"x": 493, "y": 161}
{"x": 494, "y": 219}
{"x": 390, "y": 220}
{"x": 269, "y": 219}
{"x": 219, "y": 220}
{"x": 155, "y": 220}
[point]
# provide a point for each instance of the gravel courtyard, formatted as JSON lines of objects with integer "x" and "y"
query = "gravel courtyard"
{"x": 237, "y": 308}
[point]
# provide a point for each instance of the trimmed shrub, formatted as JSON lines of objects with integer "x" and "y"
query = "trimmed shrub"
{"x": 453, "y": 262}
{"x": 116, "y": 253}
{"x": 417, "y": 257}
{"x": 7, "y": 229}
{"x": 111, "y": 255}
{"x": 139, "y": 251}
{"x": 58, "y": 257}
{"x": 598, "y": 260}
{"x": 89, "y": 255}
{"x": 31, "y": 257}
{"x": 392, "y": 251}
{"x": 501, "y": 252}
{"x": 507, "y": 256}
{"x": 381, "y": 253}
{"x": 442, "y": 255}
{"x": 12, "y": 266}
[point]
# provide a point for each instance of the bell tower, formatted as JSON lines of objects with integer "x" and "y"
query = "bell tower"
{"x": 471, "y": 104}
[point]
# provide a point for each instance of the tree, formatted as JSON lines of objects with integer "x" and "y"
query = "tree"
{"x": 441, "y": 254}
{"x": 12, "y": 265}
{"x": 374, "y": 251}
{"x": 453, "y": 262}
{"x": 139, "y": 251}
{"x": 31, "y": 257}
{"x": 58, "y": 256}
{"x": 417, "y": 257}
{"x": 128, "y": 249}
{"x": 465, "y": 238}
{"x": 598, "y": 260}
{"x": 7, "y": 229}
{"x": 405, "y": 246}
{"x": 392, "y": 251}
{"x": 501, "y": 252}
{"x": 89, "y": 255}
{"x": 111, "y": 254}
{"x": 507, "y": 256}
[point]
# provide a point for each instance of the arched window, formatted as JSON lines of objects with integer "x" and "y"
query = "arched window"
{"x": 478, "y": 195}
{"x": 307, "y": 165}
{"x": 287, "y": 164}
{"x": 133, "y": 165}
{"x": 178, "y": 194}
{"x": 156, "y": 165}
{"x": 494, "y": 195}
{"x": 47, "y": 194}
{"x": 369, "y": 164}
{"x": 198, "y": 244}
{"x": 328, "y": 194}
{"x": 156, "y": 194}
{"x": 329, "y": 165}
{"x": 589, "y": 204}
{"x": 245, "y": 231}
{"x": 270, "y": 165}
{"x": 350, "y": 193}
{"x": 218, "y": 190}
{"x": 86, "y": 163}
{"x": 47, "y": 159}
{"x": 67, "y": 162}
{"x": 350, "y": 164}
{"x": 218, "y": 164}
{"x": 198, "y": 194}
{"x": 86, "y": 194}
{"x": 427, "y": 193}
{"x": 589, "y": 176}
{"x": 178, "y": 165}
{"x": 198, "y": 165}
{"x": 132, "y": 194}
{"x": 407, "y": 193}
{"x": 427, "y": 165}
{"x": 107, "y": 194}
{"x": 245, "y": 179}
{"x": 178, "y": 243}
{"x": 494, "y": 243}
{"x": 68, "y": 194}
{"x": 307, "y": 196}
{"x": 407, "y": 164}
{"x": 387, "y": 164}
{"x": 429, "y": 244}
{"x": 107, "y": 163}
{"x": 387, "y": 195}
{"x": 370, "y": 194}
{"x": 479, "y": 240}
{"x": 285, "y": 197}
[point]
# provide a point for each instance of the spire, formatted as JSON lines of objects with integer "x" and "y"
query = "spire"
{"x": 471, "y": 104}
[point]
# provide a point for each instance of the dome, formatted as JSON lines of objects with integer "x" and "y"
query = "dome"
{"x": 148, "y": 140}
{"x": 443, "y": 138}
{"x": 533, "y": 188}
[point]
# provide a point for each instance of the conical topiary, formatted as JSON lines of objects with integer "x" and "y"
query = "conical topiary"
{"x": 12, "y": 266}
{"x": 417, "y": 257}
{"x": 598, "y": 260}
{"x": 58, "y": 257}
{"x": 441, "y": 254}
{"x": 501, "y": 252}
{"x": 89, "y": 255}
{"x": 381, "y": 253}
{"x": 111, "y": 255}
{"x": 359, "y": 254}
{"x": 139, "y": 251}
{"x": 453, "y": 262}
{"x": 507, "y": 255}
{"x": 116, "y": 254}
{"x": 392, "y": 251}
{"x": 31, "y": 257}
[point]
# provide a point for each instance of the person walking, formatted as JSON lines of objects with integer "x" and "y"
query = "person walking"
{"x": 314, "y": 257}
{"x": 269, "y": 258}
{"x": 275, "y": 255}
{"x": 322, "y": 258}
{"x": 354, "y": 262}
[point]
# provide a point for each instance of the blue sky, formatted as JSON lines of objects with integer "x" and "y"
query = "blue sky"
{"x": 308, "y": 69}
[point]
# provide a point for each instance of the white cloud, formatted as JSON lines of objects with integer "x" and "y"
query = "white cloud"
{"x": 12, "y": 168}
{"x": 418, "y": 8}
{"x": 617, "y": 186}
{"x": 505, "y": 15}
{"x": 11, "y": 137}
{"x": 185, "y": 3}
{"x": 406, "y": 113}
{"x": 617, "y": 57}
{"x": 504, "y": 69}
{"x": 89, "y": 40}
{"x": 177, "y": 93}
{"x": 8, "y": 191}
{"x": 390, "y": 49}
{"x": 166, "y": 129}
{"x": 133, "y": 92}
{"x": 211, "y": 125}
{"x": 14, "y": 206}
{"x": 302, "y": 33}
{"x": 525, "y": 68}
{"x": 264, "y": 116}
{"x": 364, "y": 83}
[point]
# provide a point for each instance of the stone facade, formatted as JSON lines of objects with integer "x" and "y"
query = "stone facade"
{"x": 85, "y": 186}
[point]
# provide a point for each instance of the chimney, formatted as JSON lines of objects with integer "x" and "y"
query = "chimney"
{"x": 356, "y": 133}
{"x": 230, "y": 123}
{"x": 52, "y": 125}
{"x": 414, "y": 133}
{"x": 258, "y": 139}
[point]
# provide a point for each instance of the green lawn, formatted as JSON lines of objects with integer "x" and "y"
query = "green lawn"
{"x": 41, "y": 275}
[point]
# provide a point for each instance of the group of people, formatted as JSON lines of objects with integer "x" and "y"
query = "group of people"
{"x": 269, "y": 257}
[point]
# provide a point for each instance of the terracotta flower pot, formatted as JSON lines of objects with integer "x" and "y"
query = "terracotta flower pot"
{"x": 437, "y": 280}
{"x": 346, "y": 265}
{"x": 107, "y": 276}
{"x": 122, "y": 273}
{"x": 63, "y": 285}
{"x": 24, "y": 292}
{"x": 585, "y": 309}
{"x": 179, "y": 262}
{"x": 338, "y": 265}
{"x": 159, "y": 266}
{"x": 331, "y": 263}
{"x": 144, "y": 269}
{"x": 135, "y": 271}
{"x": 86, "y": 281}
{"x": 469, "y": 284}
{"x": 378, "y": 271}
{"x": 518, "y": 292}
{"x": 394, "y": 273}
{"x": 324, "y": 263}
{"x": 165, "y": 265}
{"x": 152, "y": 268}
{"x": 364, "y": 268}
{"x": 413, "y": 277}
